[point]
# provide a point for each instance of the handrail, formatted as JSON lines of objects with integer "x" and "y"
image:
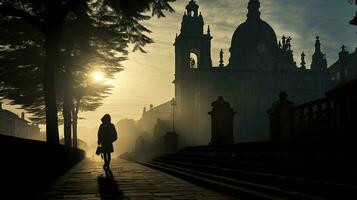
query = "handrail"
{"x": 312, "y": 103}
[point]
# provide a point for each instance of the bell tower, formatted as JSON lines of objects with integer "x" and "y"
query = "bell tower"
{"x": 319, "y": 62}
{"x": 192, "y": 59}
{"x": 192, "y": 45}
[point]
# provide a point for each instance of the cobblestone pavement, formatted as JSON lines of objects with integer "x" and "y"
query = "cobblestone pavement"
{"x": 129, "y": 180}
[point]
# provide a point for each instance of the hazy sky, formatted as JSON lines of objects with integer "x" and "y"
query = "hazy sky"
{"x": 147, "y": 78}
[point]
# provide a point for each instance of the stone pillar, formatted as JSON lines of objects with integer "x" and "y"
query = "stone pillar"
{"x": 222, "y": 122}
{"x": 140, "y": 148}
{"x": 281, "y": 119}
{"x": 171, "y": 142}
{"x": 344, "y": 100}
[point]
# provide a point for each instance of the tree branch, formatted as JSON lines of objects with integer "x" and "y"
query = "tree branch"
{"x": 8, "y": 10}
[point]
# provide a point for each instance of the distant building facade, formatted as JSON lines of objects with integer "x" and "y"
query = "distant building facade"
{"x": 154, "y": 115}
{"x": 345, "y": 68}
{"x": 259, "y": 68}
{"x": 13, "y": 125}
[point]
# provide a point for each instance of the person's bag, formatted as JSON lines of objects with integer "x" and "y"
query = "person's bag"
{"x": 98, "y": 151}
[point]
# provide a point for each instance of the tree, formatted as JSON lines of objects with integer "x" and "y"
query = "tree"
{"x": 106, "y": 28}
{"x": 21, "y": 77}
{"x": 87, "y": 100}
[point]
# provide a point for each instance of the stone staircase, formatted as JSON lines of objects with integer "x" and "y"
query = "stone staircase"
{"x": 267, "y": 170}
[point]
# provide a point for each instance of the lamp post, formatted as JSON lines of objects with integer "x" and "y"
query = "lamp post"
{"x": 173, "y": 104}
{"x": 171, "y": 138}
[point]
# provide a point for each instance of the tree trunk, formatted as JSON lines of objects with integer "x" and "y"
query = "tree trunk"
{"x": 67, "y": 108}
{"x": 75, "y": 123}
{"x": 52, "y": 134}
{"x": 68, "y": 97}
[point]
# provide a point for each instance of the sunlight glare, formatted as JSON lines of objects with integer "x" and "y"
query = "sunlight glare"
{"x": 98, "y": 76}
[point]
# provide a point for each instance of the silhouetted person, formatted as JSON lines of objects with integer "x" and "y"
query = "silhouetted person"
{"x": 106, "y": 136}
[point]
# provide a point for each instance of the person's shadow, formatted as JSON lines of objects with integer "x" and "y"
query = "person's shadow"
{"x": 108, "y": 187}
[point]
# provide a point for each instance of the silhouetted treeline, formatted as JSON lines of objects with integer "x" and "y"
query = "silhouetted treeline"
{"x": 48, "y": 49}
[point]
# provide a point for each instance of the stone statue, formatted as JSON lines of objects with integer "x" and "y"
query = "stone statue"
{"x": 221, "y": 58}
{"x": 288, "y": 43}
{"x": 192, "y": 63}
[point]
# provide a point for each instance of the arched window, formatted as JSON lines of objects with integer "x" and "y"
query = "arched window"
{"x": 193, "y": 61}
{"x": 194, "y": 58}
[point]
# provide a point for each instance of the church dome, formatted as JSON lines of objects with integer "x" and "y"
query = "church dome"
{"x": 254, "y": 37}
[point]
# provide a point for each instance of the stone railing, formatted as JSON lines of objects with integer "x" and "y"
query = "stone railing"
{"x": 333, "y": 117}
{"x": 313, "y": 120}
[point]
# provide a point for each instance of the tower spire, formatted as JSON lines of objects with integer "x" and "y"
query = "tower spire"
{"x": 319, "y": 61}
{"x": 318, "y": 45}
{"x": 253, "y": 10}
{"x": 144, "y": 111}
{"x": 343, "y": 53}
{"x": 342, "y": 60}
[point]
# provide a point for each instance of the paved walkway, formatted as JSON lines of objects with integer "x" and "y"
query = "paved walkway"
{"x": 131, "y": 181}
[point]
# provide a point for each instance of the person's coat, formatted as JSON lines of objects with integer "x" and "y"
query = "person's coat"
{"x": 107, "y": 135}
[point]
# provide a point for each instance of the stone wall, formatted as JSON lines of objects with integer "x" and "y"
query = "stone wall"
{"x": 30, "y": 166}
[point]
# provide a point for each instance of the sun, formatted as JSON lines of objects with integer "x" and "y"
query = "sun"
{"x": 98, "y": 76}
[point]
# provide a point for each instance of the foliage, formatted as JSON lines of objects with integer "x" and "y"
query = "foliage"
{"x": 88, "y": 33}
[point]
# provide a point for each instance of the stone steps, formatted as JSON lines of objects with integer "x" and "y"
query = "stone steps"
{"x": 312, "y": 170}
{"x": 238, "y": 188}
{"x": 306, "y": 186}
{"x": 270, "y": 172}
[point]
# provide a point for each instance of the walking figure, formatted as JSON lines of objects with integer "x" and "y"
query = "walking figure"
{"x": 106, "y": 136}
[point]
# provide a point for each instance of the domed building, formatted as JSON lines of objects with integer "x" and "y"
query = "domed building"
{"x": 254, "y": 40}
{"x": 259, "y": 68}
